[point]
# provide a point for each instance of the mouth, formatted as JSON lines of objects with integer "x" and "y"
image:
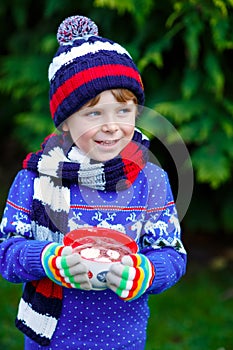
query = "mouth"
{"x": 107, "y": 143}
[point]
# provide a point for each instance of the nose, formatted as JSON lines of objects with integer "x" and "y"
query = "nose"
{"x": 110, "y": 125}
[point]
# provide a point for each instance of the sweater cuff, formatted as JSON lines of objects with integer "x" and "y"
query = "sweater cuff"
{"x": 32, "y": 256}
{"x": 166, "y": 274}
{"x": 160, "y": 281}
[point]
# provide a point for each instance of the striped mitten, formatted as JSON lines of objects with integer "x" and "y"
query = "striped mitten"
{"x": 132, "y": 277}
{"x": 65, "y": 268}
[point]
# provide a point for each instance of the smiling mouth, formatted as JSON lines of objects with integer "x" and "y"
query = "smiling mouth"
{"x": 107, "y": 142}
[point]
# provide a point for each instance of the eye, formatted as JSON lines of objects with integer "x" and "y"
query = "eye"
{"x": 124, "y": 110}
{"x": 93, "y": 113}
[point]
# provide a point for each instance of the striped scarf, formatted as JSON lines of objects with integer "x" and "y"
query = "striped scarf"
{"x": 58, "y": 164}
{"x": 114, "y": 175}
{"x": 39, "y": 310}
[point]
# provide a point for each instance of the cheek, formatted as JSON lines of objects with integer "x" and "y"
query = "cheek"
{"x": 130, "y": 124}
{"x": 78, "y": 130}
{"x": 82, "y": 137}
{"x": 129, "y": 130}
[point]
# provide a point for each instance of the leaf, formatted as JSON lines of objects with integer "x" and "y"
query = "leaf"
{"x": 32, "y": 127}
{"x": 139, "y": 8}
{"x": 180, "y": 110}
{"x": 220, "y": 33}
{"x": 197, "y": 131}
{"x": 48, "y": 44}
{"x": 211, "y": 165}
{"x": 228, "y": 105}
{"x": 154, "y": 124}
{"x": 215, "y": 74}
{"x": 153, "y": 57}
{"x": 120, "y": 6}
{"x": 221, "y": 6}
{"x": 193, "y": 31}
{"x": 24, "y": 76}
{"x": 227, "y": 126}
{"x": 52, "y": 7}
{"x": 191, "y": 82}
{"x": 154, "y": 51}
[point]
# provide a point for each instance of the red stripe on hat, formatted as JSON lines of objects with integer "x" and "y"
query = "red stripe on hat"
{"x": 86, "y": 76}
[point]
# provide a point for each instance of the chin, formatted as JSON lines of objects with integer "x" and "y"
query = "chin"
{"x": 104, "y": 158}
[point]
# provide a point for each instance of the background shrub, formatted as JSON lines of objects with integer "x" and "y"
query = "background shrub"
{"x": 184, "y": 52}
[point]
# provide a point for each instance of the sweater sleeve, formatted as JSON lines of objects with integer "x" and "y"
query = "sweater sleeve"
{"x": 161, "y": 237}
{"x": 20, "y": 260}
{"x": 19, "y": 252}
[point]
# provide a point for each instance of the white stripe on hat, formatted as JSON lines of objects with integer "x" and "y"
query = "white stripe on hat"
{"x": 79, "y": 51}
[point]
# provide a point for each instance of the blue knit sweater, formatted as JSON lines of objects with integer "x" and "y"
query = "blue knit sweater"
{"x": 97, "y": 319}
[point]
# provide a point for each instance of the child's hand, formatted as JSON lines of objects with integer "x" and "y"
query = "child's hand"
{"x": 132, "y": 277}
{"x": 65, "y": 268}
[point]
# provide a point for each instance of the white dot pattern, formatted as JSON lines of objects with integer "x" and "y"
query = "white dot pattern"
{"x": 99, "y": 320}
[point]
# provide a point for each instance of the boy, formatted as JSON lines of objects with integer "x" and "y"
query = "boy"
{"x": 94, "y": 172}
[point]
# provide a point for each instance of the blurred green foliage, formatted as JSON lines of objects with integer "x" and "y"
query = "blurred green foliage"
{"x": 184, "y": 52}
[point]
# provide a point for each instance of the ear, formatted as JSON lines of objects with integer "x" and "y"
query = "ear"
{"x": 65, "y": 126}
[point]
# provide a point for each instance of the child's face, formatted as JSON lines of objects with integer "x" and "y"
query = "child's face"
{"x": 103, "y": 130}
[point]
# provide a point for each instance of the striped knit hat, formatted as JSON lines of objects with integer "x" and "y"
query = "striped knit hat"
{"x": 85, "y": 65}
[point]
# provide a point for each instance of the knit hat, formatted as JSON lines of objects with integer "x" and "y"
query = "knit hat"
{"x": 86, "y": 65}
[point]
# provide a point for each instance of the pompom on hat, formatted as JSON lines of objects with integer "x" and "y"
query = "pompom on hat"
{"x": 86, "y": 65}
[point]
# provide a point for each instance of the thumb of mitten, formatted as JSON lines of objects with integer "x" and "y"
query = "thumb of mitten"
{"x": 127, "y": 260}
{"x": 67, "y": 250}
